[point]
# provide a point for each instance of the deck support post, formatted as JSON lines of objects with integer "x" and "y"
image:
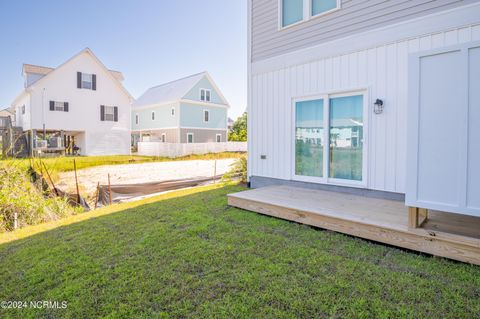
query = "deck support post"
{"x": 417, "y": 216}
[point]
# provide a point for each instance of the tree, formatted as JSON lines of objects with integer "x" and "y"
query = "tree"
{"x": 238, "y": 133}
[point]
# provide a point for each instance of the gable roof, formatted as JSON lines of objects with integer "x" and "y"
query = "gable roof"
{"x": 88, "y": 51}
{"x": 174, "y": 91}
{"x": 44, "y": 70}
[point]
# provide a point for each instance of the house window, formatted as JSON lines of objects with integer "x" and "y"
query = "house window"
{"x": 189, "y": 137}
{"x": 109, "y": 113}
{"x": 87, "y": 81}
{"x": 219, "y": 138}
{"x": 206, "y": 115}
{"x": 294, "y": 11}
{"x": 205, "y": 95}
{"x": 173, "y": 111}
{"x": 136, "y": 119}
{"x": 153, "y": 115}
{"x": 323, "y": 6}
{"x": 164, "y": 137}
{"x": 59, "y": 106}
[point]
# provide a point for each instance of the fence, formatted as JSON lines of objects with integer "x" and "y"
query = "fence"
{"x": 182, "y": 149}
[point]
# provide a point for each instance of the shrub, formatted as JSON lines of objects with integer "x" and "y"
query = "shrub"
{"x": 238, "y": 170}
{"x": 19, "y": 194}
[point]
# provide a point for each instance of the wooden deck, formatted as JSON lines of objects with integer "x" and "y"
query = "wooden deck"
{"x": 443, "y": 234}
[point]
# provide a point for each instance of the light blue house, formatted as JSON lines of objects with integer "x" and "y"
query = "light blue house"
{"x": 188, "y": 110}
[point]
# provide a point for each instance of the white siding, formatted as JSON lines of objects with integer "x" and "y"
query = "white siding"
{"x": 381, "y": 69}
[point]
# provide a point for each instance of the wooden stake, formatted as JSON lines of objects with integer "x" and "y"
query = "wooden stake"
{"x": 76, "y": 181}
{"x": 109, "y": 189}
{"x": 50, "y": 178}
{"x": 96, "y": 196}
{"x": 215, "y": 172}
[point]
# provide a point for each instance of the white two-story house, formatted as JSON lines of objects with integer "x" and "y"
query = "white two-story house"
{"x": 188, "y": 110}
{"x": 80, "y": 105}
{"x": 367, "y": 97}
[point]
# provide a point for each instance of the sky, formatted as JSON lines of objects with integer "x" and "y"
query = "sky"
{"x": 150, "y": 41}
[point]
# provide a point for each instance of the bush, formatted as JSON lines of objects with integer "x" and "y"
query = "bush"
{"x": 238, "y": 170}
{"x": 19, "y": 194}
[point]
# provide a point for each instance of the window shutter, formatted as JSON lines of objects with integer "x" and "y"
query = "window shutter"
{"x": 102, "y": 112}
{"x": 79, "y": 80}
{"x": 52, "y": 106}
{"x": 94, "y": 82}
{"x": 65, "y": 106}
{"x": 115, "y": 113}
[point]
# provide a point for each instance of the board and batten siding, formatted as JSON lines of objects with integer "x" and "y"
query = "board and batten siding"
{"x": 381, "y": 70}
{"x": 353, "y": 17}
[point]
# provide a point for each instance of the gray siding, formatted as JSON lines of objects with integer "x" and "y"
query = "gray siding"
{"x": 201, "y": 135}
{"x": 354, "y": 16}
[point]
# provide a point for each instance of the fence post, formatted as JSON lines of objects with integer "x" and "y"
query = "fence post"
{"x": 15, "y": 220}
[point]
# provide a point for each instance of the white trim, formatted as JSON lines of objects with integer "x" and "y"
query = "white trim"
{"x": 216, "y": 136}
{"x": 203, "y": 103}
{"x": 208, "y": 116}
{"x": 325, "y": 179}
{"x": 203, "y": 128}
{"x": 307, "y": 13}
{"x": 463, "y": 16}
{"x": 249, "y": 90}
{"x": 155, "y": 129}
{"x": 193, "y": 137}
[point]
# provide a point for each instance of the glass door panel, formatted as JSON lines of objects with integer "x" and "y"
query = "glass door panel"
{"x": 309, "y": 143}
{"x": 346, "y": 137}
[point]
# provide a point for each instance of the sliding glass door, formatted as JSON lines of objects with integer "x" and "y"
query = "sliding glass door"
{"x": 329, "y": 139}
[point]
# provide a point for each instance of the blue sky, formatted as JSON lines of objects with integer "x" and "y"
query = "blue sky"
{"x": 150, "y": 41}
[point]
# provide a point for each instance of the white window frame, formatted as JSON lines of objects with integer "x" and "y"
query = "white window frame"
{"x": 208, "y": 116}
{"x": 307, "y": 13}
{"x": 193, "y": 138}
{"x": 164, "y": 138}
{"x": 216, "y": 138}
{"x": 84, "y": 80}
{"x": 172, "y": 111}
{"x": 153, "y": 116}
{"x": 325, "y": 179}
{"x": 137, "y": 119}
{"x": 205, "y": 95}
{"x": 59, "y": 106}
{"x": 112, "y": 114}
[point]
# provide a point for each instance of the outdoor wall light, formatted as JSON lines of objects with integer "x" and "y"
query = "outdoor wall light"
{"x": 378, "y": 106}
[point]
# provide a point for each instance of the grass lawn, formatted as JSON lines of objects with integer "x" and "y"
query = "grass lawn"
{"x": 189, "y": 255}
{"x": 56, "y": 165}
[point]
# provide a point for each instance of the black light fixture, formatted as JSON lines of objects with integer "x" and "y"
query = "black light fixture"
{"x": 378, "y": 106}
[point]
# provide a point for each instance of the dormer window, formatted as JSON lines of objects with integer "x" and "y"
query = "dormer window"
{"x": 86, "y": 81}
{"x": 205, "y": 95}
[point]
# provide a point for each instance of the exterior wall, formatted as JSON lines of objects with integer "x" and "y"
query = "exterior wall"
{"x": 177, "y": 149}
{"x": 84, "y": 107}
{"x": 202, "y": 135}
{"x": 204, "y": 83}
{"x": 172, "y": 135}
{"x": 380, "y": 69}
{"x": 355, "y": 16}
{"x": 163, "y": 117}
{"x": 191, "y": 115}
{"x": 23, "y": 120}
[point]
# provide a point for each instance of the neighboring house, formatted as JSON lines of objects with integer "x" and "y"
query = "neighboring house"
{"x": 335, "y": 86}
{"x": 188, "y": 110}
{"x": 79, "y": 103}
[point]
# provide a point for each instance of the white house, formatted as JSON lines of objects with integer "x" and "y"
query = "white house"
{"x": 188, "y": 110}
{"x": 80, "y": 103}
{"x": 369, "y": 97}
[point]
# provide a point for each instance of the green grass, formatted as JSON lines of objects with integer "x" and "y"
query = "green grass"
{"x": 56, "y": 165}
{"x": 189, "y": 255}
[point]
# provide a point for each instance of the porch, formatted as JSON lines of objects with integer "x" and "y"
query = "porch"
{"x": 387, "y": 221}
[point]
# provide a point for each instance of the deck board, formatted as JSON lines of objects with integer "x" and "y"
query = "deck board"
{"x": 444, "y": 234}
